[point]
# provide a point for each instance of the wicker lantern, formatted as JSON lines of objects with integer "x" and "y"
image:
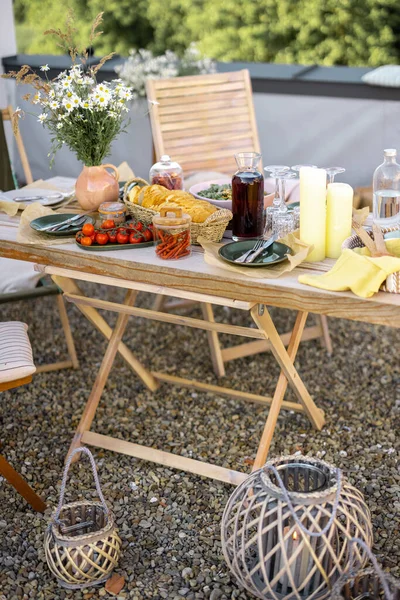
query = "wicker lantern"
{"x": 286, "y": 529}
{"x": 370, "y": 583}
{"x": 81, "y": 542}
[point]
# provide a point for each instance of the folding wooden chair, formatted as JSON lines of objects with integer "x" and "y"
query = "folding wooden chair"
{"x": 41, "y": 290}
{"x": 201, "y": 121}
{"x": 16, "y": 369}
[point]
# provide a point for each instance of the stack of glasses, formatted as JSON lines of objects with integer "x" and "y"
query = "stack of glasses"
{"x": 280, "y": 218}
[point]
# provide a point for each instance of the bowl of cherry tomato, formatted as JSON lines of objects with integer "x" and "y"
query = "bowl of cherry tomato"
{"x": 112, "y": 237}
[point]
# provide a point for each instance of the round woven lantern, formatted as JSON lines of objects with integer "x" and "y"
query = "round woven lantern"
{"x": 286, "y": 529}
{"x": 81, "y": 543}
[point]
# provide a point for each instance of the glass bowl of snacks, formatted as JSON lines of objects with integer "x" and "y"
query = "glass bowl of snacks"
{"x": 172, "y": 232}
{"x": 114, "y": 211}
{"x": 167, "y": 173}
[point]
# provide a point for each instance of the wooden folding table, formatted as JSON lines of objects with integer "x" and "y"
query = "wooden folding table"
{"x": 192, "y": 279}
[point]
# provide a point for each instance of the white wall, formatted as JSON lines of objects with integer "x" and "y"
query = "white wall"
{"x": 8, "y": 47}
{"x": 350, "y": 133}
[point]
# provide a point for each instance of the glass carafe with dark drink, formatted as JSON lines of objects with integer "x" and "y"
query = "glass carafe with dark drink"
{"x": 247, "y": 197}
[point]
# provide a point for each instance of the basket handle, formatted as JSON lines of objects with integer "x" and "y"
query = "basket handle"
{"x": 288, "y": 501}
{"x": 64, "y": 482}
{"x": 371, "y": 556}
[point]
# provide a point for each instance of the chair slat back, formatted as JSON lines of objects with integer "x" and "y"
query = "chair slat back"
{"x": 6, "y": 114}
{"x": 201, "y": 121}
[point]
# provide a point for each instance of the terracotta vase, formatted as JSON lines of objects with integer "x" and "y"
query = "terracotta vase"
{"x": 96, "y": 185}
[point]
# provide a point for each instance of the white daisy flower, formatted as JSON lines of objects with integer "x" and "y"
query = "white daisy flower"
{"x": 66, "y": 84}
{"x": 86, "y": 104}
{"x": 42, "y": 117}
{"x": 54, "y": 105}
{"x": 18, "y": 111}
{"x": 45, "y": 68}
{"x": 52, "y": 94}
{"x": 76, "y": 101}
{"x": 59, "y": 125}
{"x": 68, "y": 104}
{"x": 36, "y": 98}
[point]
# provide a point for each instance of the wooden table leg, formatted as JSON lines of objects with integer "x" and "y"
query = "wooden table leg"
{"x": 102, "y": 375}
{"x": 19, "y": 483}
{"x": 70, "y": 286}
{"x": 265, "y": 324}
{"x": 67, "y": 331}
{"x": 326, "y": 336}
{"x": 213, "y": 341}
{"x": 279, "y": 394}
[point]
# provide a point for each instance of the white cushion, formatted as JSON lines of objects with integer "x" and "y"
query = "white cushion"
{"x": 16, "y": 360}
{"x": 387, "y": 76}
{"x": 17, "y": 275}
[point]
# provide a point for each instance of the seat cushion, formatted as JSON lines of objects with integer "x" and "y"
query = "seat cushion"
{"x": 16, "y": 361}
{"x": 17, "y": 275}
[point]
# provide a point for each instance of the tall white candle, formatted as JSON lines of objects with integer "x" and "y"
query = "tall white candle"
{"x": 339, "y": 210}
{"x": 313, "y": 210}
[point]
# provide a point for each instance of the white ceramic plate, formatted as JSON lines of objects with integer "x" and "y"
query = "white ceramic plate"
{"x": 45, "y": 197}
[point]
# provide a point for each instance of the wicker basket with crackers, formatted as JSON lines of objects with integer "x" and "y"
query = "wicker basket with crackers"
{"x": 143, "y": 201}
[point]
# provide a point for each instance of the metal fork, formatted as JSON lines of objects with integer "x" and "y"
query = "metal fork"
{"x": 257, "y": 246}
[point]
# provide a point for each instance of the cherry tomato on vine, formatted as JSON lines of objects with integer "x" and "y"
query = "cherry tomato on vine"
{"x": 122, "y": 237}
{"x": 112, "y": 236}
{"x": 138, "y": 226}
{"x": 102, "y": 238}
{"x": 148, "y": 235}
{"x": 86, "y": 241}
{"x": 108, "y": 224}
{"x": 88, "y": 229}
{"x": 135, "y": 238}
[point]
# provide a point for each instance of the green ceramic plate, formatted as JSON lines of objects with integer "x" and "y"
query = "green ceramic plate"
{"x": 107, "y": 247}
{"x": 54, "y": 220}
{"x": 273, "y": 255}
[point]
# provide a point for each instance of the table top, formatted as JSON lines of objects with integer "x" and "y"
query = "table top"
{"x": 193, "y": 274}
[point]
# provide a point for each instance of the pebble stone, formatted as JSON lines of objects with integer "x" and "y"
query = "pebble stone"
{"x": 169, "y": 520}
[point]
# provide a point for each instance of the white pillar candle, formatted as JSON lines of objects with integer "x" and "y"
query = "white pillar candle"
{"x": 339, "y": 210}
{"x": 313, "y": 210}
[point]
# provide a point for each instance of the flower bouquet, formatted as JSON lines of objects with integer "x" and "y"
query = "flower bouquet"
{"x": 81, "y": 113}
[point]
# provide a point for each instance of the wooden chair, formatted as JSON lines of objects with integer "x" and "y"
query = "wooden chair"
{"x": 16, "y": 369}
{"x": 201, "y": 121}
{"x": 6, "y": 114}
{"x": 41, "y": 290}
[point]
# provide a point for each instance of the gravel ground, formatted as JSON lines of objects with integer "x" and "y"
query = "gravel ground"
{"x": 170, "y": 521}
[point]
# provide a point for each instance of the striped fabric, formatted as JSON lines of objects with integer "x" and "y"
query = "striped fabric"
{"x": 16, "y": 361}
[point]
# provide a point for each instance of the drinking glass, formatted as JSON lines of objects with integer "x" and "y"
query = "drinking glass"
{"x": 332, "y": 171}
{"x": 247, "y": 197}
{"x": 274, "y": 170}
{"x": 283, "y": 219}
{"x": 297, "y": 168}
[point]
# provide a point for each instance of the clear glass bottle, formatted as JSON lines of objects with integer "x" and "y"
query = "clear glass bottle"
{"x": 247, "y": 197}
{"x": 386, "y": 188}
{"x": 167, "y": 173}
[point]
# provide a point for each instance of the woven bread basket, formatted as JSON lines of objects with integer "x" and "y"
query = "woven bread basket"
{"x": 212, "y": 229}
{"x": 81, "y": 543}
{"x": 392, "y": 283}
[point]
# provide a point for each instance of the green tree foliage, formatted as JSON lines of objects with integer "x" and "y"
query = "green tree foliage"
{"x": 328, "y": 32}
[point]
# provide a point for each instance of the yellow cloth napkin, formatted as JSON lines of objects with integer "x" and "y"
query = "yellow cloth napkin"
{"x": 300, "y": 253}
{"x": 358, "y": 271}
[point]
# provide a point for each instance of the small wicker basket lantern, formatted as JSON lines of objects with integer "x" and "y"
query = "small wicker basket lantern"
{"x": 81, "y": 542}
{"x": 370, "y": 583}
{"x": 286, "y": 529}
